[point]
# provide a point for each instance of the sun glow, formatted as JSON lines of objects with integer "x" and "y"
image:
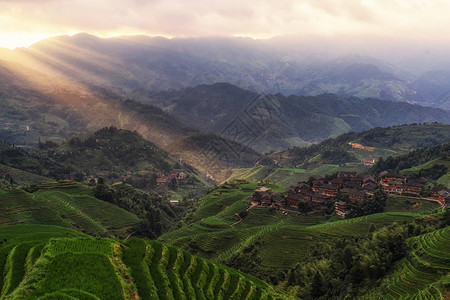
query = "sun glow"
{"x": 13, "y": 40}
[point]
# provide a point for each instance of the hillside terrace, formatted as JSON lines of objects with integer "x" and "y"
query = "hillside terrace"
{"x": 320, "y": 196}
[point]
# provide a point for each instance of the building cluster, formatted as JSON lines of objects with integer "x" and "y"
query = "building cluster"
{"x": 442, "y": 195}
{"x": 396, "y": 184}
{"x": 164, "y": 179}
{"x": 319, "y": 196}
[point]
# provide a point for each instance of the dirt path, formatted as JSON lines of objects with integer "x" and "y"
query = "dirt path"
{"x": 240, "y": 220}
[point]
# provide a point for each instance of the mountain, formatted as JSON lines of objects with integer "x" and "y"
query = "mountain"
{"x": 377, "y": 142}
{"x": 433, "y": 88}
{"x": 431, "y": 162}
{"x": 276, "y": 122}
{"x": 46, "y": 262}
{"x": 33, "y": 114}
{"x": 132, "y": 64}
{"x": 349, "y": 152}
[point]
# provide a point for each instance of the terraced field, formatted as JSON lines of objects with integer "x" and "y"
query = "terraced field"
{"x": 424, "y": 273}
{"x": 411, "y": 204}
{"x": 289, "y": 176}
{"x": 66, "y": 204}
{"x": 211, "y": 236}
{"x": 49, "y": 262}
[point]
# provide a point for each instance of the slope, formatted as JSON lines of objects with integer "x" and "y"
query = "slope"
{"x": 138, "y": 63}
{"x": 66, "y": 204}
{"x": 276, "y": 122}
{"x": 347, "y": 152}
{"x": 43, "y": 268}
{"x": 279, "y": 239}
{"x": 423, "y": 273}
{"x": 431, "y": 162}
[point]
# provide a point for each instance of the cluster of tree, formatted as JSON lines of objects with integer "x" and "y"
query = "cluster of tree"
{"x": 110, "y": 149}
{"x": 324, "y": 148}
{"x": 433, "y": 173}
{"x": 358, "y": 208}
{"x": 415, "y": 158}
{"x": 157, "y": 215}
{"x": 347, "y": 266}
{"x": 335, "y": 150}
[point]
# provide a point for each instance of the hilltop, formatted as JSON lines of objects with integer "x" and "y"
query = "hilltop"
{"x": 354, "y": 152}
{"x": 45, "y": 262}
{"x": 432, "y": 162}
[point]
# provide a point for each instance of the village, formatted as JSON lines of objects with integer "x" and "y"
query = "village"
{"x": 320, "y": 196}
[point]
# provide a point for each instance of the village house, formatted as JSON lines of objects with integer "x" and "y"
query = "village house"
{"x": 413, "y": 188}
{"x": 369, "y": 187}
{"x": 393, "y": 187}
{"x": 163, "y": 178}
{"x": 388, "y": 177}
{"x": 347, "y": 175}
{"x": 259, "y": 193}
{"x": 341, "y": 208}
{"x": 357, "y": 195}
{"x": 320, "y": 195}
{"x": 325, "y": 189}
{"x": 442, "y": 195}
{"x": 337, "y": 182}
{"x": 369, "y": 161}
{"x": 320, "y": 202}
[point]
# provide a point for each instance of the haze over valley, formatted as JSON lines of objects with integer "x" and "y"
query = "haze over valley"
{"x": 224, "y": 150}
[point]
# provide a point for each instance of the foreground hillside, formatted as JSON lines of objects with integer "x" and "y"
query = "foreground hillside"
{"x": 424, "y": 273}
{"x": 49, "y": 262}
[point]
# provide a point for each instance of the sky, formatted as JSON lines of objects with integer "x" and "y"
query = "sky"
{"x": 23, "y": 22}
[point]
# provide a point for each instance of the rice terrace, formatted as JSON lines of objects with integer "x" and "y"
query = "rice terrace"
{"x": 224, "y": 150}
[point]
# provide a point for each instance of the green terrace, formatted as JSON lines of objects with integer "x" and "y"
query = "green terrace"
{"x": 66, "y": 204}
{"x": 50, "y": 262}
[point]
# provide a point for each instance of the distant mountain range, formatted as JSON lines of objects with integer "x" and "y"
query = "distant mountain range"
{"x": 130, "y": 65}
{"x": 73, "y": 86}
{"x": 276, "y": 122}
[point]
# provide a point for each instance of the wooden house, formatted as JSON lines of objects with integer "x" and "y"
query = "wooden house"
{"x": 326, "y": 189}
{"x": 412, "y": 188}
{"x": 341, "y": 208}
{"x": 357, "y": 195}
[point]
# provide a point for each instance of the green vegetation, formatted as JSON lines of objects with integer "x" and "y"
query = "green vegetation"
{"x": 411, "y": 204}
{"x": 269, "y": 239}
{"x": 432, "y": 163}
{"x": 350, "y": 266}
{"x": 377, "y": 142}
{"x": 289, "y": 176}
{"x": 67, "y": 204}
{"x": 50, "y": 262}
{"x": 424, "y": 272}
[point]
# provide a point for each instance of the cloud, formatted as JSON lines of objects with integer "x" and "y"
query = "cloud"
{"x": 263, "y": 18}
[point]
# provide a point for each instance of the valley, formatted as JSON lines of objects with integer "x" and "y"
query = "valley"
{"x": 223, "y": 167}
